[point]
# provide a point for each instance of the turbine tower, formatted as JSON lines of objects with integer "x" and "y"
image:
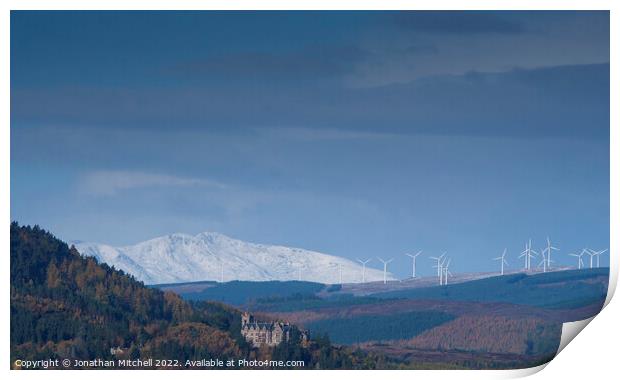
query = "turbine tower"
{"x": 592, "y": 254}
{"x": 385, "y": 263}
{"x": 598, "y": 257}
{"x": 446, "y": 271}
{"x": 438, "y": 266}
{"x": 549, "y": 249}
{"x": 528, "y": 253}
{"x": 579, "y": 258}
{"x": 413, "y": 257}
{"x": 364, "y": 262}
{"x": 503, "y": 261}
{"x": 525, "y": 254}
{"x": 340, "y": 272}
{"x": 222, "y": 273}
{"x": 543, "y": 262}
{"x": 531, "y": 253}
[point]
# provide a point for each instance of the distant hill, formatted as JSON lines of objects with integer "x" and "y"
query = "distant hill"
{"x": 64, "y": 305}
{"x": 562, "y": 289}
{"x": 242, "y": 292}
{"x": 212, "y": 256}
{"x": 567, "y": 289}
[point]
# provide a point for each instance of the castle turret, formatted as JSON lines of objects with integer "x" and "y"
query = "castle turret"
{"x": 246, "y": 318}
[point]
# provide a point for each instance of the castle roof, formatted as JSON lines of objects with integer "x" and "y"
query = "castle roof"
{"x": 265, "y": 326}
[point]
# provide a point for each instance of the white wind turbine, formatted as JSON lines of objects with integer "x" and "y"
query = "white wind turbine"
{"x": 385, "y": 263}
{"x": 579, "y": 258}
{"x": 549, "y": 249}
{"x": 364, "y": 262}
{"x": 222, "y": 273}
{"x": 599, "y": 254}
{"x": 340, "y": 272}
{"x": 438, "y": 266}
{"x": 598, "y": 257}
{"x": 528, "y": 253}
{"x": 592, "y": 254}
{"x": 413, "y": 257}
{"x": 503, "y": 261}
{"x": 446, "y": 271}
{"x": 531, "y": 253}
{"x": 543, "y": 262}
{"x": 525, "y": 254}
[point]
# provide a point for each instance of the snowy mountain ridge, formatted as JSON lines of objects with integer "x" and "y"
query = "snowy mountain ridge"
{"x": 185, "y": 258}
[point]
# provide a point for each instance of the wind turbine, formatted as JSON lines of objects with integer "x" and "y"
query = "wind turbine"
{"x": 598, "y": 257}
{"x": 525, "y": 254}
{"x": 579, "y": 259}
{"x": 528, "y": 253}
{"x": 447, "y": 271}
{"x": 222, "y": 273}
{"x": 502, "y": 259}
{"x": 385, "y": 263}
{"x": 340, "y": 271}
{"x": 364, "y": 262}
{"x": 592, "y": 254}
{"x": 543, "y": 262}
{"x": 531, "y": 253}
{"x": 413, "y": 257}
{"x": 299, "y": 273}
{"x": 549, "y": 249}
{"x": 438, "y": 266}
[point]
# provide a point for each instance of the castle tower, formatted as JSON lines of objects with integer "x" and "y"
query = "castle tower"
{"x": 246, "y": 318}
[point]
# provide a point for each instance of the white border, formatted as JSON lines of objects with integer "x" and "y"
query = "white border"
{"x": 574, "y": 362}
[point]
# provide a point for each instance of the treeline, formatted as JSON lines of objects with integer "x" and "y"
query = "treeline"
{"x": 64, "y": 305}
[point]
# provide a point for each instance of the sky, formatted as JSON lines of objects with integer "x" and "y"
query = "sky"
{"x": 358, "y": 134}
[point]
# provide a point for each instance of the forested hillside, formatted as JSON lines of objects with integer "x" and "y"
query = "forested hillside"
{"x": 553, "y": 290}
{"x": 64, "y": 305}
{"x": 364, "y": 328}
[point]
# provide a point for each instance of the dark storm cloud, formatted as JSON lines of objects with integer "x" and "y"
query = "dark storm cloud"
{"x": 568, "y": 101}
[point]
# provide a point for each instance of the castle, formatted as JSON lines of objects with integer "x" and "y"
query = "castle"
{"x": 268, "y": 333}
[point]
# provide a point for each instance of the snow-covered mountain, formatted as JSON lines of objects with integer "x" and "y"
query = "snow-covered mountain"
{"x": 185, "y": 258}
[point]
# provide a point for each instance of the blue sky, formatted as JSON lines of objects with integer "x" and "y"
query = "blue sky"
{"x": 359, "y": 134}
